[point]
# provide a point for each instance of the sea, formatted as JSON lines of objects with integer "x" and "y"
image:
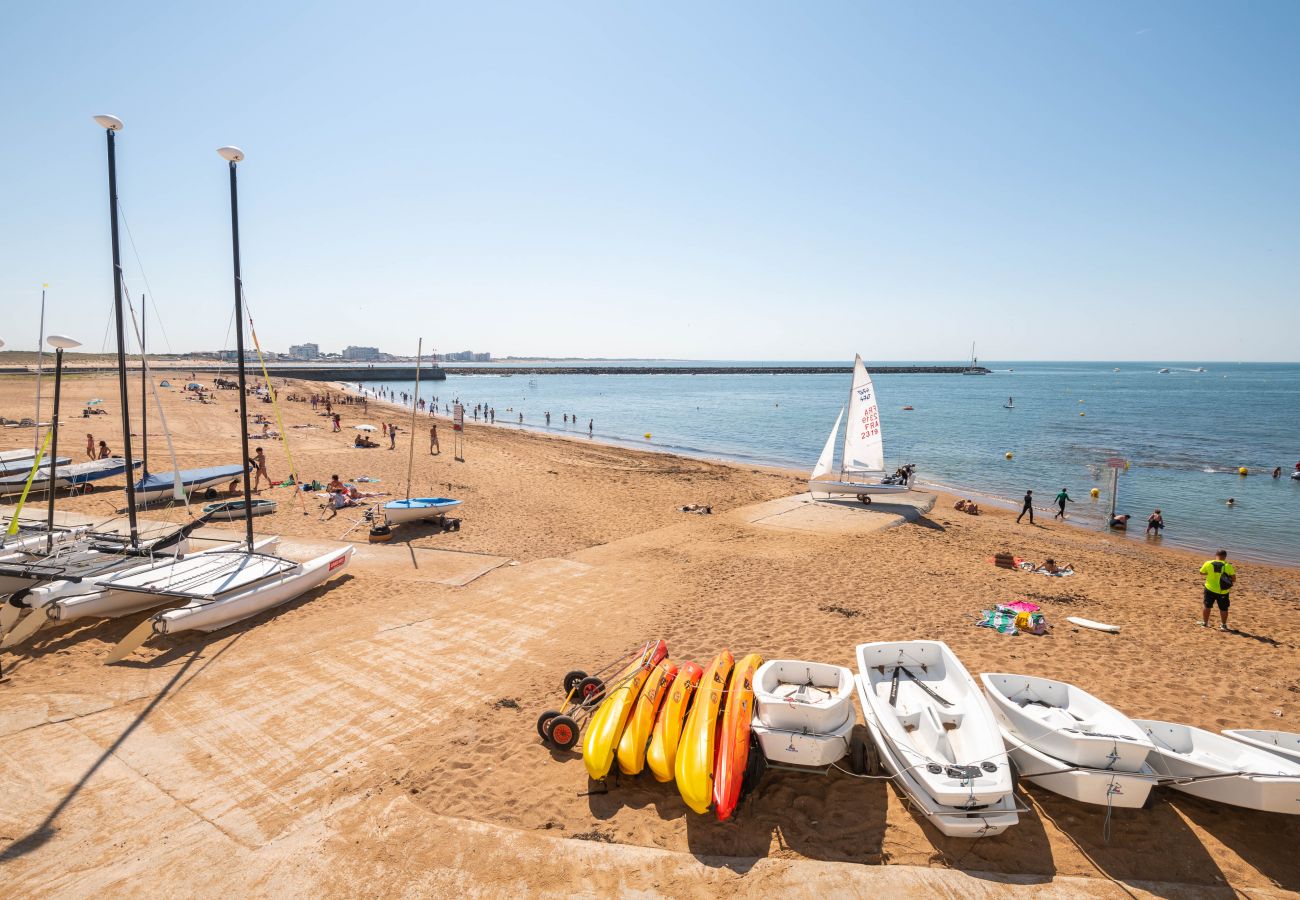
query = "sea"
{"x": 1176, "y": 438}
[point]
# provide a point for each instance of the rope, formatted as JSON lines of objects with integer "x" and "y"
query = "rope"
{"x": 178, "y": 489}
{"x": 275, "y": 407}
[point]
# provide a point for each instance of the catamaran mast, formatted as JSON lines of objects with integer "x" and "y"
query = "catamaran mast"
{"x": 40, "y": 367}
{"x": 415, "y": 402}
{"x": 233, "y": 155}
{"x": 111, "y": 126}
{"x": 144, "y": 402}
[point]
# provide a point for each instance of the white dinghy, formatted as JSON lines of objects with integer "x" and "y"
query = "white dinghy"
{"x": 1215, "y": 767}
{"x": 932, "y": 712}
{"x": 862, "y": 461}
{"x": 417, "y": 509}
{"x": 1128, "y": 790}
{"x": 1065, "y": 722}
{"x": 1285, "y": 744}
{"x": 803, "y": 712}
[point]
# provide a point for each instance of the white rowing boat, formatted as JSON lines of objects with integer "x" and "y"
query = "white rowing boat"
{"x": 1065, "y": 722}
{"x": 936, "y": 720}
{"x": 1215, "y": 767}
{"x": 803, "y": 711}
{"x": 1103, "y": 787}
{"x": 1285, "y": 744}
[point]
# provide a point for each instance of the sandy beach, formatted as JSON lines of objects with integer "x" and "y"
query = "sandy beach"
{"x": 377, "y": 736}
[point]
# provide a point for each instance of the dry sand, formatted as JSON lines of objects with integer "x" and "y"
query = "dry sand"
{"x": 377, "y": 737}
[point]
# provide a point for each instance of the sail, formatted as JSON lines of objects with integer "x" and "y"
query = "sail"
{"x": 864, "y": 451}
{"x": 828, "y": 452}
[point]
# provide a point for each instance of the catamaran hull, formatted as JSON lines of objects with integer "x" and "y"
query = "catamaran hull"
{"x": 210, "y": 615}
{"x": 145, "y": 494}
{"x": 397, "y": 512}
{"x": 855, "y": 489}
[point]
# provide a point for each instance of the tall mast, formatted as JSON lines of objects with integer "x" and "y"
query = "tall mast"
{"x": 111, "y": 126}
{"x": 415, "y": 402}
{"x": 233, "y": 155}
{"x": 144, "y": 399}
{"x": 40, "y": 367}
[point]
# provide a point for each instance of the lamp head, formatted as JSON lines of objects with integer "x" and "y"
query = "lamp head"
{"x": 231, "y": 154}
{"x": 112, "y": 123}
{"x": 61, "y": 342}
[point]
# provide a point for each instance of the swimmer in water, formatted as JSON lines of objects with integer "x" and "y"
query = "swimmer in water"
{"x": 1232, "y": 501}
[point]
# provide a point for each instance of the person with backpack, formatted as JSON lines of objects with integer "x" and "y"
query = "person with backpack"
{"x": 1220, "y": 576}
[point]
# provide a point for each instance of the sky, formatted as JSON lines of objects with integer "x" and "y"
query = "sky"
{"x": 744, "y": 180}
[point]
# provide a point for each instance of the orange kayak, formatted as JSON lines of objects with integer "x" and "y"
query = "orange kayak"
{"x": 733, "y": 737}
{"x": 600, "y": 743}
{"x": 662, "y": 754}
{"x": 694, "y": 764}
{"x": 636, "y": 734}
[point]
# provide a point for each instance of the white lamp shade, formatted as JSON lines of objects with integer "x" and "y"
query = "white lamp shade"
{"x": 112, "y": 123}
{"x": 231, "y": 154}
{"x": 61, "y": 342}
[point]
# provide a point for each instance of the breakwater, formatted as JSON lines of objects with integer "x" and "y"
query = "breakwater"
{"x": 707, "y": 370}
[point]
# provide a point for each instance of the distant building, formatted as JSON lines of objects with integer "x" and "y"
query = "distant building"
{"x": 369, "y": 354}
{"x": 467, "y": 356}
{"x": 305, "y": 351}
{"x": 232, "y": 355}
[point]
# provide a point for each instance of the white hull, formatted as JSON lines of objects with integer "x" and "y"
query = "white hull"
{"x": 404, "y": 514}
{"x": 227, "y": 609}
{"x": 1285, "y": 744}
{"x": 855, "y": 488}
{"x": 1185, "y": 752}
{"x": 1065, "y": 722}
{"x": 1126, "y": 790}
{"x": 801, "y": 748}
{"x": 803, "y": 696}
{"x": 988, "y": 820}
{"x": 952, "y": 745}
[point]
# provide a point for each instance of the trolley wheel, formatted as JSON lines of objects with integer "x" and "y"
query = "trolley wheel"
{"x": 863, "y": 758}
{"x": 563, "y": 733}
{"x": 88, "y": 488}
{"x": 755, "y": 767}
{"x": 544, "y": 723}
{"x": 865, "y": 499}
{"x": 591, "y": 690}
{"x": 210, "y": 494}
{"x": 571, "y": 680}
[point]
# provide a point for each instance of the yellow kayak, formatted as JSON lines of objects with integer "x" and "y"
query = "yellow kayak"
{"x": 662, "y": 755}
{"x": 694, "y": 766}
{"x": 606, "y": 727}
{"x": 636, "y": 734}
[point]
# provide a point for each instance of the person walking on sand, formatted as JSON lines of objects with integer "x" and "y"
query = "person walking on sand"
{"x": 1061, "y": 499}
{"x": 259, "y": 470}
{"x": 392, "y": 437}
{"x": 90, "y": 446}
{"x": 1220, "y": 576}
{"x": 1027, "y": 508}
{"x": 434, "y": 449}
{"x": 1155, "y": 522}
{"x": 336, "y": 419}
{"x": 591, "y": 427}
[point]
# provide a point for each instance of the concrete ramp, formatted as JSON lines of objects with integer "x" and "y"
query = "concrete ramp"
{"x": 841, "y": 515}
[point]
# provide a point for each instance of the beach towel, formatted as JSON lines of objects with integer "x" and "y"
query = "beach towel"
{"x": 1001, "y": 621}
{"x": 1059, "y": 573}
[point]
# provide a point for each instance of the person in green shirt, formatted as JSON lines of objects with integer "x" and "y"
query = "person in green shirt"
{"x": 1061, "y": 499}
{"x": 1219, "y": 578}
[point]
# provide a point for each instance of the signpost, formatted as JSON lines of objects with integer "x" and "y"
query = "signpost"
{"x": 1116, "y": 463}
{"x": 458, "y": 431}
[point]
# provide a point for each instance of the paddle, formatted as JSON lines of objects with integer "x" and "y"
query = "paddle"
{"x": 129, "y": 644}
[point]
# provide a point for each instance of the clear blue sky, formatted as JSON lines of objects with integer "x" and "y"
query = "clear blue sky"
{"x": 750, "y": 180}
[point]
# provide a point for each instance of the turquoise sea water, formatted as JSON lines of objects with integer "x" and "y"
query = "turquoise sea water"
{"x": 1185, "y": 433}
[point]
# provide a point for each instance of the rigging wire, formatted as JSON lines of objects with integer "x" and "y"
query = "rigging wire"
{"x": 143, "y": 275}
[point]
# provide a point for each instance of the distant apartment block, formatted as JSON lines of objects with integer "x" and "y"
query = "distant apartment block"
{"x": 467, "y": 356}
{"x": 369, "y": 354}
{"x": 305, "y": 351}
{"x": 232, "y": 355}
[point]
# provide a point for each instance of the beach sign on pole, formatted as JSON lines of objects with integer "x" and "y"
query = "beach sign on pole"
{"x": 458, "y": 431}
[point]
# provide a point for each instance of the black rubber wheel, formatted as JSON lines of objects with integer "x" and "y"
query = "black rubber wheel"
{"x": 755, "y": 767}
{"x": 563, "y": 733}
{"x": 544, "y": 723}
{"x": 863, "y": 758}
{"x": 864, "y": 499}
{"x": 591, "y": 690}
{"x": 210, "y": 494}
{"x": 571, "y": 680}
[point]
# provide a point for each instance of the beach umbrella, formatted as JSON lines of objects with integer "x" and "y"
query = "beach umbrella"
{"x": 365, "y": 428}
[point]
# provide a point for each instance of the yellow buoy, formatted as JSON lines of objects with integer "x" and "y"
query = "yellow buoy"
{"x": 1009, "y": 454}
{"x": 1083, "y": 414}
{"x": 647, "y": 435}
{"x": 1095, "y": 493}
{"x": 1243, "y": 471}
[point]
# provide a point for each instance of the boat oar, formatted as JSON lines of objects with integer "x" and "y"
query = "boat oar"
{"x": 128, "y": 645}
{"x": 35, "y": 621}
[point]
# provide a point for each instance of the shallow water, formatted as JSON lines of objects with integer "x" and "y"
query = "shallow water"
{"x": 1184, "y": 433}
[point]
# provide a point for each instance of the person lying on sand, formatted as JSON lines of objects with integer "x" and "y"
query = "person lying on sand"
{"x": 1049, "y": 567}
{"x": 339, "y": 500}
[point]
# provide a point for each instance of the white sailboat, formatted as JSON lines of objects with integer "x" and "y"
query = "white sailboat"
{"x": 862, "y": 460}
{"x": 415, "y": 509}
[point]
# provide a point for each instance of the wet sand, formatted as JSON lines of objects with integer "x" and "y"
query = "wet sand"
{"x": 377, "y": 736}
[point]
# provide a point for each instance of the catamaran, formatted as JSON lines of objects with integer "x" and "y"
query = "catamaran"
{"x": 862, "y": 462}
{"x": 68, "y": 476}
{"x": 15, "y": 461}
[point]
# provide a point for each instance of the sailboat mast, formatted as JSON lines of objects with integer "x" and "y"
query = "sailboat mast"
{"x": 111, "y": 127}
{"x": 144, "y": 400}
{"x": 40, "y": 366}
{"x": 239, "y": 346}
{"x": 415, "y": 402}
